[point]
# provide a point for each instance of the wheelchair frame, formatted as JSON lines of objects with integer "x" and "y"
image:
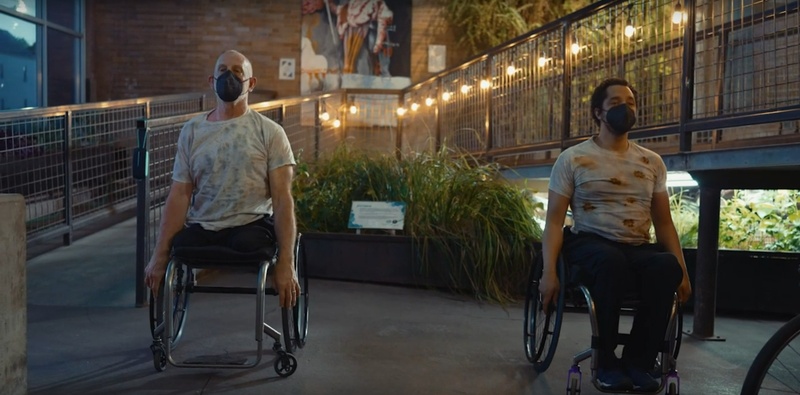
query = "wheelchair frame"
{"x": 541, "y": 333}
{"x": 173, "y": 301}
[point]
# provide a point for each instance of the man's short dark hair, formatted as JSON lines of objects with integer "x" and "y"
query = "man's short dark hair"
{"x": 600, "y": 94}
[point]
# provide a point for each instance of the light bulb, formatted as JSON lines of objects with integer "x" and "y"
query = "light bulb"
{"x": 465, "y": 88}
{"x": 337, "y": 123}
{"x": 325, "y": 116}
{"x": 429, "y": 102}
{"x": 575, "y": 48}
{"x": 353, "y": 109}
{"x": 401, "y": 111}
{"x": 446, "y": 96}
{"x": 414, "y": 106}
{"x": 630, "y": 31}
{"x": 511, "y": 70}
{"x": 678, "y": 15}
{"x": 542, "y": 61}
{"x": 485, "y": 84}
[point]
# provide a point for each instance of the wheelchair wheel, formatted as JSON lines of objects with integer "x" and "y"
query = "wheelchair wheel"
{"x": 182, "y": 280}
{"x": 542, "y": 330}
{"x": 289, "y": 335}
{"x": 300, "y": 310}
{"x": 676, "y": 347}
{"x": 776, "y": 368}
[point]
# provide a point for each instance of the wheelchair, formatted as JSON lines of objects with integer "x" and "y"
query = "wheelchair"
{"x": 180, "y": 283}
{"x": 541, "y": 331}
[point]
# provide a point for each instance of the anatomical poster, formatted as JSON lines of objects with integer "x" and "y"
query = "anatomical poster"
{"x": 355, "y": 44}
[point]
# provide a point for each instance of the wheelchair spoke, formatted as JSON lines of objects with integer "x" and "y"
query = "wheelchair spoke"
{"x": 784, "y": 372}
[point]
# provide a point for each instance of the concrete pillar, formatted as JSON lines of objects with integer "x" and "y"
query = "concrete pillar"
{"x": 13, "y": 297}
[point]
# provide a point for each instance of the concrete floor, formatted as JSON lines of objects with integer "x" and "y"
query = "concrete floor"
{"x": 86, "y": 337}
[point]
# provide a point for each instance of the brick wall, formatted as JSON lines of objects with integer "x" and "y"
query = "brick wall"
{"x": 155, "y": 47}
{"x": 429, "y": 27}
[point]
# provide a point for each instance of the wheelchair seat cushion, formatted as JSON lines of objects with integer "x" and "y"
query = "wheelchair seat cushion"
{"x": 219, "y": 256}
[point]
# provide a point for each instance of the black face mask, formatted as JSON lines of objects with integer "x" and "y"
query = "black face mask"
{"x": 229, "y": 87}
{"x": 620, "y": 118}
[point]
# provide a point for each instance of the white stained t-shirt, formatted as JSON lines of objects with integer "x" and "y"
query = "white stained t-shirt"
{"x": 228, "y": 164}
{"x": 610, "y": 192}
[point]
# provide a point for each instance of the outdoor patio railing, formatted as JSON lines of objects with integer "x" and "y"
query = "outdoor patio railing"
{"x": 72, "y": 163}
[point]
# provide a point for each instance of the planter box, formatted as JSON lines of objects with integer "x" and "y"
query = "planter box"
{"x": 382, "y": 259}
{"x": 754, "y": 281}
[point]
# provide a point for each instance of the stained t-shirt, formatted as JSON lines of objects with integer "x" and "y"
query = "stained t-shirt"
{"x": 228, "y": 163}
{"x": 610, "y": 193}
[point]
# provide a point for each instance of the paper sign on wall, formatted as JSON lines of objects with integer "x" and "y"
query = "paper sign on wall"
{"x": 377, "y": 215}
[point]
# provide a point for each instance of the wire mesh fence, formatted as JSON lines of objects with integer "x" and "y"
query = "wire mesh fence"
{"x": 72, "y": 163}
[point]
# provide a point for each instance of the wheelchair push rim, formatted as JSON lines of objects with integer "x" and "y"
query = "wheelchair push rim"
{"x": 541, "y": 331}
{"x": 180, "y": 304}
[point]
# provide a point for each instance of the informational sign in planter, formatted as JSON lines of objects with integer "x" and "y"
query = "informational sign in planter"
{"x": 377, "y": 215}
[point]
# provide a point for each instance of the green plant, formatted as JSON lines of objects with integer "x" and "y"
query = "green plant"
{"x": 483, "y": 24}
{"x": 465, "y": 210}
{"x": 749, "y": 220}
{"x": 761, "y": 220}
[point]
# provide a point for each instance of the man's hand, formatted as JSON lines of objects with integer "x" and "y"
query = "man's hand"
{"x": 685, "y": 289}
{"x": 154, "y": 272}
{"x": 549, "y": 287}
{"x": 287, "y": 285}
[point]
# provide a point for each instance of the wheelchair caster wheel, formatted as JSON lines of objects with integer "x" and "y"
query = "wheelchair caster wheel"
{"x": 159, "y": 357}
{"x": 574, "y": 387}
{"x": 673, "y": 389}
{"x": 285, "y": 365}
{"x": 574, "y": 380}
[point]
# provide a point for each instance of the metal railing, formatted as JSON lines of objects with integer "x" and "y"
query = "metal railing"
{"x": 72, "y": 162}
{"x": 725, "y": 76}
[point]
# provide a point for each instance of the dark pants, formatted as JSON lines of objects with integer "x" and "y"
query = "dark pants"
{"x": 611, "y": 270}
{"x": 246, "y": 238}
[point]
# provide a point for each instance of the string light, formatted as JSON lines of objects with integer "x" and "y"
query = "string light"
{"x": 465, "y": 88}
{"x": 401, "y": 111}
{"x": 510, "y": 70}
{"x": 630, "y": 30}
{"x": 325, "y": 116}
{"x": 575, "y": 48}
{"x": 337, "y": 123}
{"x": 414, "y": 106}
{"x": 485, "y": 84}
{"x": 543, "y": 60}
{"x": 446, "y": 96}
{"x": 429, "y": 102}
{"x": 678, "y": 15}
{"x": 353, "y": 109}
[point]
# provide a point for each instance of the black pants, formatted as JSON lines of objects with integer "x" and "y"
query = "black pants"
{"x": 611, "y": 270}
{"x": 246, "y": 238}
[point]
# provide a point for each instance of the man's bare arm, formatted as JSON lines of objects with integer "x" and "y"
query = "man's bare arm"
{"x": 172, "y": 221}
{"x": 667, "y": 236}
{"x": 280, "y": 183}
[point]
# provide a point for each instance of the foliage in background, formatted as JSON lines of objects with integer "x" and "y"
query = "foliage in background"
{"x": 483, "y": 24}
{"x": 465, "y": 210}
{"x": 749, "y": 220}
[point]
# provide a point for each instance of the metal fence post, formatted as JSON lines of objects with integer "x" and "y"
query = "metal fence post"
{"x": 488, "y": 126}
{"x": 68, "y": 191}
{"x": 687, "y": 86}
{"x": 398, "y": 140}
{"x": 317, "y": 127}
{"x": 438, "y": 114}
{"x": 566, "y": 111}
{"x": 141, "y": 173}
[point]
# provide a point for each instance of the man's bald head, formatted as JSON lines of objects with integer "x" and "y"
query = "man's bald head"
{"x": 234, "y": 61}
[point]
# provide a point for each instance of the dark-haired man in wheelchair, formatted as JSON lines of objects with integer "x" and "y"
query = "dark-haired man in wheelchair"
{"x": 231, "y": 181}
{"x": 617, "y": 190}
